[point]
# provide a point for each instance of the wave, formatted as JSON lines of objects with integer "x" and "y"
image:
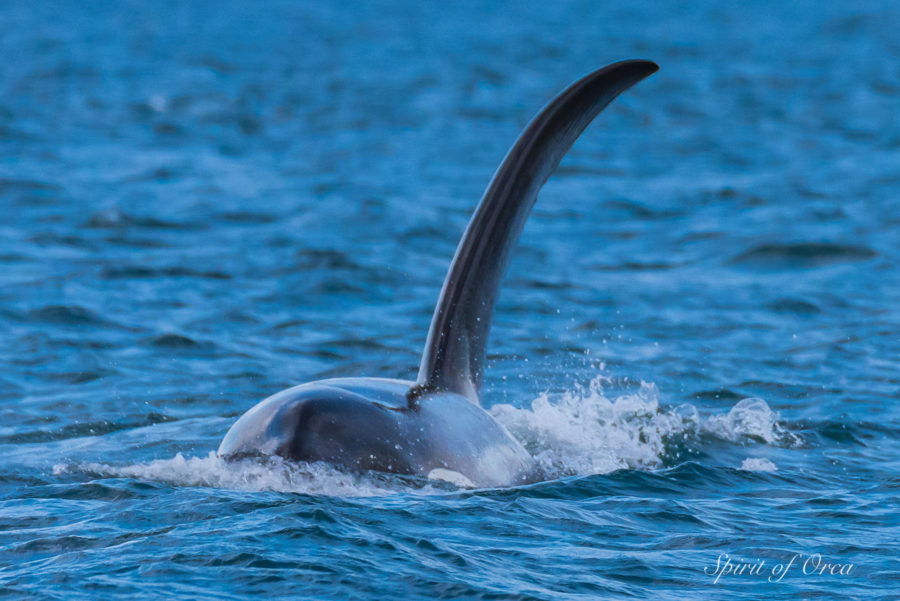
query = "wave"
{"x": 804, "y": 254}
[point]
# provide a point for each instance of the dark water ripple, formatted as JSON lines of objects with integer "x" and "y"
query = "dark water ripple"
{"x": 804, "y": 255}
{"x": 205, "y": 203}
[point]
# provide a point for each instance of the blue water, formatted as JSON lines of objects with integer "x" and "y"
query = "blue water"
{"x": 699, "y": 338}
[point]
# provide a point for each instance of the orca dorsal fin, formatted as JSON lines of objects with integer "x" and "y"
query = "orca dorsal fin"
{"x": 454, "y": 352}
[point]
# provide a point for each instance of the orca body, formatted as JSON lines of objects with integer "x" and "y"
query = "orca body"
{"x": 436, "y": 424}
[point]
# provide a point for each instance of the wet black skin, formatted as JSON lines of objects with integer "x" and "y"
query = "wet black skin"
{"x": 368, "y": 424}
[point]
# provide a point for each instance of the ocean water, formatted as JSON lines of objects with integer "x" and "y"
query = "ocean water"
{"x": 203, "y": 203}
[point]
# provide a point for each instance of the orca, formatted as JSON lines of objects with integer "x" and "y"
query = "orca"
{"x": 436, "y": 426}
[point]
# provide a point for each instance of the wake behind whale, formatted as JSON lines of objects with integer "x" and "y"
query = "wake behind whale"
{"x": 436, "y": 425}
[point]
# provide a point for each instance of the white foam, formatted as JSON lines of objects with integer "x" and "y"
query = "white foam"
{"x": 272, "y": 475}
{"x": 758, "y": 464}
{"x": 750, "y": 418}
{"x": 454, "y": 478}
{"x": 583, "y": 432}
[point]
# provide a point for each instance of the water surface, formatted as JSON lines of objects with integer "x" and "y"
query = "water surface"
{"x": 204, "y": 203}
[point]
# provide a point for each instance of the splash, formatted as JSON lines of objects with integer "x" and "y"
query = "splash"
{"x": 583, "y": 432}
{"x": 758, "y": 464}
{"x": 750, "y": 418}
{"x": 272, "y": 474}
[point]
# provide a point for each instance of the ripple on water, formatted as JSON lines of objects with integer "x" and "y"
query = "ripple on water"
{"x": 68, "y": 315}
{"x": 803, "y": 255}
{"x": 117, "y": 219}
{"x": 794, "y": 306}
{"x": 175, "y": 341}
{"x": 143, "y": 272}
{"x": 90, "y": 428}
{"x": 29, "y": 191}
